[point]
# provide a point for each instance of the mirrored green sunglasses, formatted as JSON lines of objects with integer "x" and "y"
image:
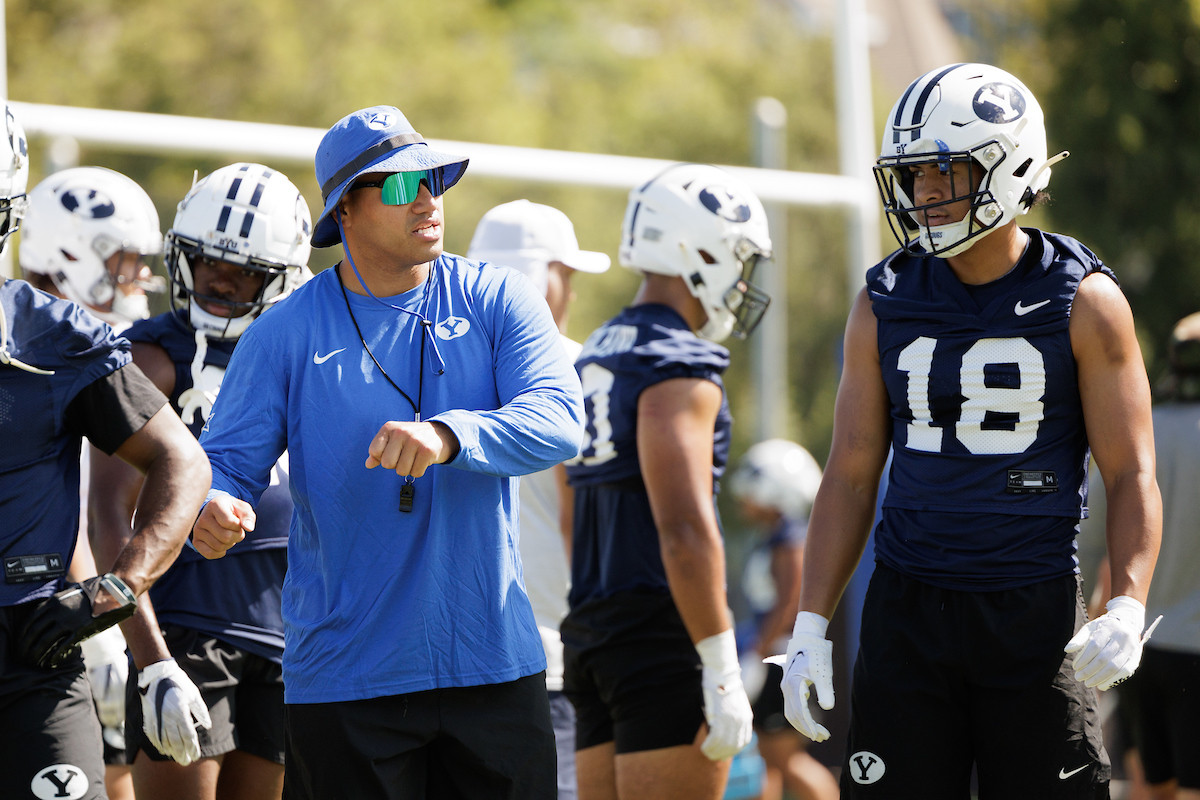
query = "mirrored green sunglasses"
{"x": 401, "y": 188}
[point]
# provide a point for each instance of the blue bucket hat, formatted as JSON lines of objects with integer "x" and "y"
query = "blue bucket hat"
{"x": 375, "y": 139}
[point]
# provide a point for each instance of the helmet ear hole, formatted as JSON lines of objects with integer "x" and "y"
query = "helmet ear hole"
{"x": 708, "y": 257}
{"x": 1021, "y": 170}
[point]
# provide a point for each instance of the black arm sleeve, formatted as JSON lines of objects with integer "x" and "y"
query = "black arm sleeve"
{"x": 110, "y": 410}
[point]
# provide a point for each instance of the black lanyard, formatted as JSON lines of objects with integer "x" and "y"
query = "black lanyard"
{"x": 407, "y": 491}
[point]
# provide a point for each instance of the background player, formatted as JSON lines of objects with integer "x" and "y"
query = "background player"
{"x": 775, "y": 483}
{"x": 1157, "y": 707}
{"x": 648, "y": 642}
{"x": 988, "y": 357}
{"x": 238, "y": 245}
{"x": 90, "y": 236}
{"x": 539, "y": 242}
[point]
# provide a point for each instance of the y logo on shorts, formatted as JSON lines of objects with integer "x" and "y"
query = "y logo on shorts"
{"x": 452, "y": 328}
{"x": 866, "y": 767}
{"x": 59, "y": 782}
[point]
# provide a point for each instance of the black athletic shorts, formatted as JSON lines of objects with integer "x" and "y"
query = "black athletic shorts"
{"x": 637, "y": 685}
{"x": 949, "y": 680}
{"x": 243, "y": 692}
{"x": 768, "y": 707}
{"x": 1162, "y": 704}
{"x": 491, "y": 742}
{"x": 50, "y": 736}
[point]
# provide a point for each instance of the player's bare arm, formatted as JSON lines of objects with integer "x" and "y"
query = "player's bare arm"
{"x": 115, "y": 483}
{"x": 177, "y": 477}
{"x": 112, "y": 499}
{"x": 675, "y": 442}
{"x": 1115, "y": 394}
{"x": 787, "y": 564}
{"x": 845, "y": 504}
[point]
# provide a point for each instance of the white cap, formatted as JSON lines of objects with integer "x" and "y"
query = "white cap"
{"x": 527, "y": 237}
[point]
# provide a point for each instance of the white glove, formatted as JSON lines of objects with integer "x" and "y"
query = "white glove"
{"x": 1109, "y": 648}
{"x": 726, "y": 707}
{"x": 809, "y": 660}
{"x": 170, "y": 702}
{"x": 108, "y": 670}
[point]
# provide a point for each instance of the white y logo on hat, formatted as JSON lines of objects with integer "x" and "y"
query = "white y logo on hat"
{"x": 381, "y": 122}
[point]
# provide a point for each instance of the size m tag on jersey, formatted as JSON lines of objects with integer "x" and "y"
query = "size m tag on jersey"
{"x": 26, "y": 569}
{"x": 1031, "y": 481}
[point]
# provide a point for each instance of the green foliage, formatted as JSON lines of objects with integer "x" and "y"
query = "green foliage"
{"x": 651, "y": 78}
{"x": 1120, "y": 83}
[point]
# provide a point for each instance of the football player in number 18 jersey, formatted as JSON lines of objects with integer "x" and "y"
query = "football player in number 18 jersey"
{"x": 991, "y": 360}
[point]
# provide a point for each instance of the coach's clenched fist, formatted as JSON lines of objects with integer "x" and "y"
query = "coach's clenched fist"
{"x": 223, "y": 522}
{"x": 410, "y": 448}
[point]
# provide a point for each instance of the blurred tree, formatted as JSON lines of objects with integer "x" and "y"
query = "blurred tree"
{"x": 1120, "y": 83}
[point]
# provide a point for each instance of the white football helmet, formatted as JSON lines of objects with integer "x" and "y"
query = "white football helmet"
{"x": 77, "y": 219}
{"x": 971, "y": 113}
{"x": 244, "y": 214}
{"x": 778, "y": 474}
{"x": 706, "y": 226}
{"x": 14, "y": 176}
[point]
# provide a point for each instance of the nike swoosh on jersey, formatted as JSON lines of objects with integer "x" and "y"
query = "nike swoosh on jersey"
{"x": 1063, "y": 774}
{"x": 319, "y": 359}
{"x": 1022, "y": 310}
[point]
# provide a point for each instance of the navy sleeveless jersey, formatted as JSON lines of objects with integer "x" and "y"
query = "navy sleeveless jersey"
{"x": 39, "y": 453}
{"x": 616, "y": 545}
{"x": 989, "y": 473}
{"x": 236, "y": 598}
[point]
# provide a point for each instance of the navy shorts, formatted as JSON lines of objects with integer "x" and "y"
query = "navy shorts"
{"x": 50, "y": 738}
{"x": 1162, "y": 704}
{"x": 947, "y": 681}
{"x": 636, "y": 686}
{"x": 243, "y": 692}
{"x": 490, "y": 742}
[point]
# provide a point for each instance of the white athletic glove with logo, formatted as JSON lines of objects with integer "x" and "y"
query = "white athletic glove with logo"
{"x": 1109, "y": 648}
{"x": 809, "y": 661}
{"x": 726, "y": 707}
{"x": 171, "y": 709}
{"x": 108, "y": 670}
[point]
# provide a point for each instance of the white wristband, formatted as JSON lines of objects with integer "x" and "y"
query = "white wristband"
{"x": 809, "y": 623}
{"x": 719, "y": 652}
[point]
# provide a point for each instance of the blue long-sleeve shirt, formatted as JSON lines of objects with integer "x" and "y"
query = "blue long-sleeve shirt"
{"x": 378, "y": 601}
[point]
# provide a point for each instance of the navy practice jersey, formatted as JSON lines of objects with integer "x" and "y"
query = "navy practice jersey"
{"x": 237, "y": 598}
{"x": 616, "y": 545}
{"x": 39, "y": 445}
{"x": 989, "y": 474}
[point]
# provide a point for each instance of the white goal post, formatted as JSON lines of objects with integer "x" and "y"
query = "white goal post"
{"x": 853, "y": 191}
